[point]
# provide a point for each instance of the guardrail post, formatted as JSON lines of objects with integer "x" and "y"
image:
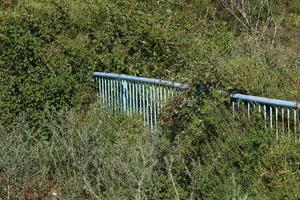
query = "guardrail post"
{"x": 125, "y": 95}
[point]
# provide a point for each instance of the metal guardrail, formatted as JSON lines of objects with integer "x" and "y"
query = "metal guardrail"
{"x": 145, "y": 96}
{"x": 135, "y": 95}
{"x": 280, "y": 115}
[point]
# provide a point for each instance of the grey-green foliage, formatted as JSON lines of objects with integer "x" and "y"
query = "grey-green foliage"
{"x": 98, "y": 156}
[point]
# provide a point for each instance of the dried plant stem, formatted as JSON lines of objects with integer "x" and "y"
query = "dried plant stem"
{"x": 169, "y": 168}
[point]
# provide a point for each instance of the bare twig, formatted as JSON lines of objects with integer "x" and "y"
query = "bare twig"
{"x": 169, "y": 168}
{"x": 8, "y": 195}
{"x": 250, "y": 16}
{"x": 88, "y": 187}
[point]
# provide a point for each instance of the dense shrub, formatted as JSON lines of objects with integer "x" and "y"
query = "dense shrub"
{"x": 261, "y": 70}
{"x": 92, "y": 156}
{"x": 217, "y": 156}
{"x": 36, "y": 77}
{"x": 48, "y": 51}
{"x": 102, "y": 156}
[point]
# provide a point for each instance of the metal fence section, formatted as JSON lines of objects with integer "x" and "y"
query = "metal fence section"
{"x": 135, "y": 95}
{"x": 145, "y": 96}
{"x": 279, "y": 115}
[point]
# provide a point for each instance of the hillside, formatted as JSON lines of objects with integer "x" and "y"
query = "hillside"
{"x": 65, "y": 143}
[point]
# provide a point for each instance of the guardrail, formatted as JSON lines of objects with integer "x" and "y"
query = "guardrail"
{"x": 135, "y": 95}
{"x": 280, "y": 115}
{"x": 145, "y": 96}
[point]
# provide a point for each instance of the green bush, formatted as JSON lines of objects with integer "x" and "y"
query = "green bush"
{"x": 216, "y": 156}
{"x": 49, "y": 49}
{"x": 261, "y": 70}
{"x": 35, "y": 80}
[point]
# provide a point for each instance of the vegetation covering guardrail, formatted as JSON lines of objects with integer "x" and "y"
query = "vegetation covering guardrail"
{"x": 132, "y": 95}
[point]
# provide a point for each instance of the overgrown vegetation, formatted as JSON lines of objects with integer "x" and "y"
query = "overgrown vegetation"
{"x": 218, "y": 156}
{"x": 101, "y": 156}
{"x": 49, "y": 49}
{"x": 55, "y": 140}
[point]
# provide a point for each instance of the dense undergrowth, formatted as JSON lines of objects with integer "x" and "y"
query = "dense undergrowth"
{"x": 49, "y": 49}
{"x": 54, "y": 138}
{"x": 103, "y": 156}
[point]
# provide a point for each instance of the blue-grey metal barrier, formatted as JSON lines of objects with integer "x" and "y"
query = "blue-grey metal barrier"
{"x": 135, "y": 95}
{"x": 145, "y": 96}
{"x": 280, "y": 115}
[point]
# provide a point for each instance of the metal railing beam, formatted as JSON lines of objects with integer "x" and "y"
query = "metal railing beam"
{"x": 141, "y": 80}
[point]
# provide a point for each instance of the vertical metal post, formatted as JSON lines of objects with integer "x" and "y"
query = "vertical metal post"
{"x": 125, "y": 95}
{"x": 97, "y": 80}
{"x": 276, "y": 122}
{"x": 168, "y": 93}
{"x": 103, "y": 92}
{"x": 120, "y": 95}
{"x": 147, "y": 106}
{"x": 158, "y": 99}
{"x": 248, "y": 110}
{"x": 271, "y": 118}
{"x": 265, "y": 115}
{"x": 113, "y": 94}
{"x": 161, "y": 99}
{"x": 151, "y": 106}
{"x": 233, "y": 108}
{"x": 108, "y": 93}
{"x": 129, "y": 99}
{"x": 133, "y": 97}
{"x": 117, "y": 96}
{"x": 137, "y": 97}
{"x": 165, "y": 94}
{"x": 282, "y": 119}
{"x": 144, "y": 104}
{"x": 298, "y": 124}
{"x": 295, "y": 121}
{"x": 141, "y": 98}
{"x": 155, "y": 104}
{"x": 288, "y": 118}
